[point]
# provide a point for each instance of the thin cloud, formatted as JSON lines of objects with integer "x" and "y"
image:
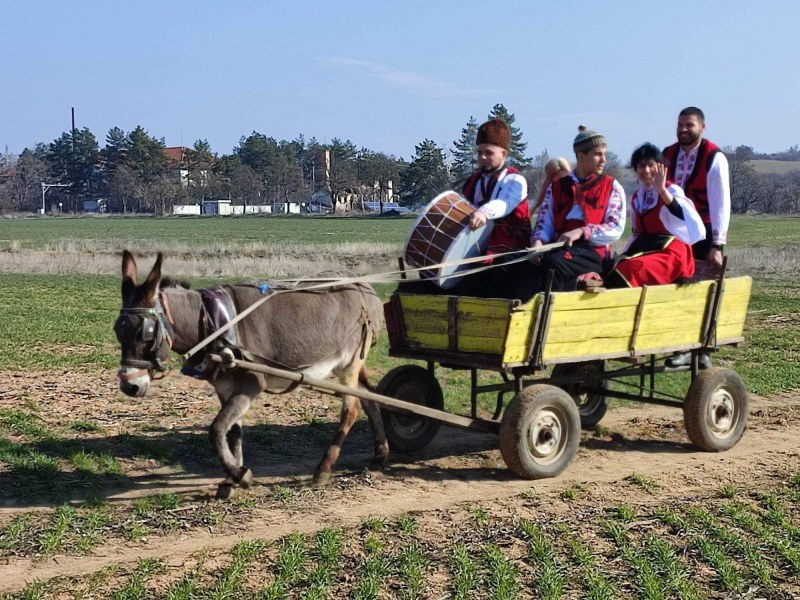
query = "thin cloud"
{"x": 414, "y": 83}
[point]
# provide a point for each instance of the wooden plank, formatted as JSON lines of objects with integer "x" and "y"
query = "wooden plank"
{"x": 598, "y": 330}
{"x": 423, "y": 302}
{"x": 485, "y": 345}
{"x": 484, "y": 307}
{"x": 580, "y": 350}
{"x": 561, "y": 317}
{"x": 425, "y": 323}
{"x": 452, "y": 323}
{"x": 564, "y": 301}
{"x": 638, "y": 319}
{"x": 417, "y": 339}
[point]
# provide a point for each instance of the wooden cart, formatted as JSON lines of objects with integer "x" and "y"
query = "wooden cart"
{"x": 588, "y": 340}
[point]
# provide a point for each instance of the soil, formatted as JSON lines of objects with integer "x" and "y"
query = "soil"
{"x": 285, "y": 437}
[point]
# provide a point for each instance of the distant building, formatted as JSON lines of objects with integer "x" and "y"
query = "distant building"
{"x": 95, "y": 205}
{"x": 186, "y": 209}
{"x": 177, "y": 164}
{"x": 217, "y": 207}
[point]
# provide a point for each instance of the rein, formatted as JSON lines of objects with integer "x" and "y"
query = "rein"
{"x": 387, "y": 277}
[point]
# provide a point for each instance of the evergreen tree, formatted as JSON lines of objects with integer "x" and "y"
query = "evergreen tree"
{"x": 145, "y": 155}
{"x": 465, "y": 155}
{"x": 516, "y": 154}
{"x": 426, "y": 175}
{"x": 72, "y": 159}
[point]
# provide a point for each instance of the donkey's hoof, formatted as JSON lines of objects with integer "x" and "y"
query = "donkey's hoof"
{"x": 378, "y": 463}
{"x": 245, "y": 478}
{"x": 321, "y": 478}
{"x": 224, "y": 490}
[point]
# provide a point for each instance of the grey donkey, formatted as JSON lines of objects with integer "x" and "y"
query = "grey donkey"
{"x": 310, "y": 331}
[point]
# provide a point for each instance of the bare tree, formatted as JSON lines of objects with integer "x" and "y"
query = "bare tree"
{"x": 745, "y": 181}
{"x": 22, "y": 192}
{"x": 124, "y": 187}
{"x": 246, "y": 186}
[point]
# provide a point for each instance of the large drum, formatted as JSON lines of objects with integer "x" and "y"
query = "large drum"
{"x": 442, "y": 235}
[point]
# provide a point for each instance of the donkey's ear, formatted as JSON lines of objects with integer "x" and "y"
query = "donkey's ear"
{"x": 153, "y": 279}
{"x": 128, "y": 274}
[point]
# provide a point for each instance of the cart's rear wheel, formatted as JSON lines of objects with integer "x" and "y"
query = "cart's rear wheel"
{"x": 412, "y": 383}
{"x": 715, "y": 411}
{"x": 578, "y": 378}
{"x": 540, "y": 432}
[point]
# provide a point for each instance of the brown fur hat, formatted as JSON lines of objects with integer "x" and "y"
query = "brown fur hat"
{"x": 495, "y": 132}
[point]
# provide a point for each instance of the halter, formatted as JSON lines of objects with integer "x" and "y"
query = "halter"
{"x": 157, "y": 330}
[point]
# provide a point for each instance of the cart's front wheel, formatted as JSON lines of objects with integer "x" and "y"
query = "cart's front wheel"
{"x": 715, "y": 411}
{"x": 540, "y": 432}
{"x": 578, "y": 380}
{"x": 412, "y": 383}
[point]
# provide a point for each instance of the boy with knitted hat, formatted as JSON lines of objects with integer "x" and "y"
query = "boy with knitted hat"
{"x": 586, "y": 211}
{"x": 500, "y": 192}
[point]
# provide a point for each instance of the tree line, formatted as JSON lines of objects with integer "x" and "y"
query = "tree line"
{"x": 134, "y": 173}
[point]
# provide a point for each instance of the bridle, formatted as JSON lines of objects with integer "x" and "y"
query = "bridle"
{"x": 157, "y": 331}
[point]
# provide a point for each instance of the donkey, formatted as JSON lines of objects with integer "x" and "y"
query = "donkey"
{"x": 311, "y": 331}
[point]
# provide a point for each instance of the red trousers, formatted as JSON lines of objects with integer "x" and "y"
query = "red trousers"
{"x": 657, "y": 268}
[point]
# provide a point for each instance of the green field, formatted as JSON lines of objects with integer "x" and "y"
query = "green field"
{"x": 113, "y": 233}
{"x": 116, "y": 233}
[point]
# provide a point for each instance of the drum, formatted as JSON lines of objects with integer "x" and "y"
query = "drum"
{"x": 441, "y": 235}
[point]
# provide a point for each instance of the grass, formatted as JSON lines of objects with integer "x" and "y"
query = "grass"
{"x": 115, "y": 233}
{"x": 688, "y": 549}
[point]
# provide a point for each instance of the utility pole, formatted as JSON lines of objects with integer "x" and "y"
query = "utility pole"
{"x": 47, "y": 186}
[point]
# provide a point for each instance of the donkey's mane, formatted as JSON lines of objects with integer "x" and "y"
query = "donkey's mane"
{"x": 171, "y": 282}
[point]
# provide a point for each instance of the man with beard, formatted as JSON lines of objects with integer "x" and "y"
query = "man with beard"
{"x": 701, "y": 169}
{"x": 500, "y": 194}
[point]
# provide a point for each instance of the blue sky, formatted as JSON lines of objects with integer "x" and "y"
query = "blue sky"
{"x": 389, "y": 74}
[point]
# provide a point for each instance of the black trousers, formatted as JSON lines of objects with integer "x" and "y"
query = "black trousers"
{"x": 701, "y": 249}
{"x": 522, "y": 280}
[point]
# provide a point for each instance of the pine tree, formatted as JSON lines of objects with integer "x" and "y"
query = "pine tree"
{"x": 516, "y": 154}
{"x": 465, "y": 155}
{"x": 426, "y": 176}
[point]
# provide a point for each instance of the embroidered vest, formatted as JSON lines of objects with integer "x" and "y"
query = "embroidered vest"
{"x": 592, "y": 196}
{"x": 512, "y": 232}
{"x": 649, "y": 222}
{"x": 695, "y": 185}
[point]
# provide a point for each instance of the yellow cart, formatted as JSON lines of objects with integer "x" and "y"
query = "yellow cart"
{"x": 588, "y": 340}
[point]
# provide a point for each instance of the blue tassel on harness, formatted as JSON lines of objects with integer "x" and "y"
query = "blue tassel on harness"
{"x": 264, "y": 288}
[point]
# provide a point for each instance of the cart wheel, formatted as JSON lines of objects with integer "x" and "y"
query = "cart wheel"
{"x": 715, "y": 411}
{"x": 540, "y": 432}
{"x": 578, "y": 378}
{"x": 412, "y": 383}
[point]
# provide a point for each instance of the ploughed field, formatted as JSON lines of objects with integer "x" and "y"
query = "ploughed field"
{"x": 107, "y": 496}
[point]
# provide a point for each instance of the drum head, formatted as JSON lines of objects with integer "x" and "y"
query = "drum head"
{"x": 467, "y": 244}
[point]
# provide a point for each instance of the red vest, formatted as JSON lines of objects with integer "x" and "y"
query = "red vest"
{"x": 649, "y": 222}
{"x": 695, "y": 185}
{"x": 592, "y": 196}
{"x": 512, "y": 232}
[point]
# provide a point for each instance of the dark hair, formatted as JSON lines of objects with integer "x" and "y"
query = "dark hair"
{"x": 646, "y": 152}
{"x": 693, "y": 111}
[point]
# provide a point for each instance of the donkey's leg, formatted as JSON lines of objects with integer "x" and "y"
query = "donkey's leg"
{"x": 226, "y": 434}
{"x": 351, "y": 408}
{"x": 378, "y": 433}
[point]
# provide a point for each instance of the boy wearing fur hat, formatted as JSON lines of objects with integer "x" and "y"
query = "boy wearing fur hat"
{"x": 586, "y": 211}
{"x": 500, "y": 192}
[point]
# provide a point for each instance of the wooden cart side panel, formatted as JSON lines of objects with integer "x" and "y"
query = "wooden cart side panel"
{"x": 482, "y": 324}
{"x": 520, "y": 330}
{"x": 589, "y": 324}
{"x": 674, "y": 315}
{"x": 733, "y": 310}
{"x": 425, "y": 320}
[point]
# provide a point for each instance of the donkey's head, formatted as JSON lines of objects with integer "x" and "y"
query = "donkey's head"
{"x": 142, "y": 328}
